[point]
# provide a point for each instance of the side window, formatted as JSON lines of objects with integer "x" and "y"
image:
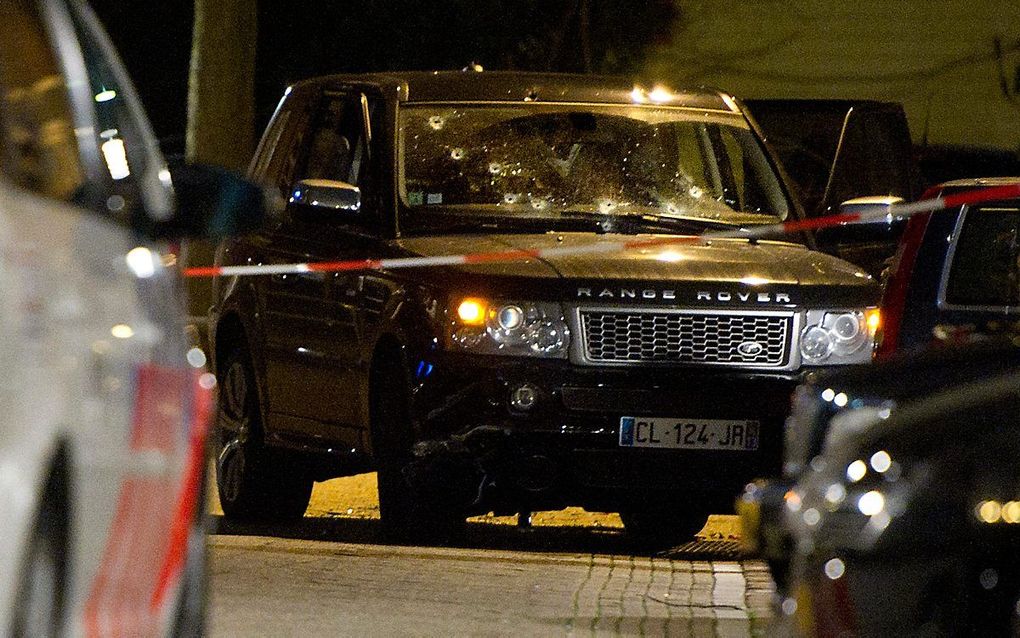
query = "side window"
{"x": 340, "y": 146}
{"x": 331, "y": 141}
{"x": 875, "y": 158}
{"x": 268, "y": 144}
{"x": 281, "y": 161}
{"x": 38, "y": 148}
{"x": 984, "y": 271}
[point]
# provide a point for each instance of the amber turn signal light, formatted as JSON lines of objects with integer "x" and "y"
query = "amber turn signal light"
{"x": 471, "y": 312}
{"x": 874, "y": 319}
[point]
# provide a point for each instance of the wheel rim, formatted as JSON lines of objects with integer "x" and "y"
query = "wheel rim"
{"x": 234, "y": 392}
{"x": 235, "y": 427}
{"x": 231, "y": 464}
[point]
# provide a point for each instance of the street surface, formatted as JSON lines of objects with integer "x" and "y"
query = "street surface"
{"x": 571, "y": 573}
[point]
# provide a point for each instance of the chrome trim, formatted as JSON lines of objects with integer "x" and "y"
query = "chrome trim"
{"x": 947, "y": 263}
{"x": 579, "y": 344}
{"x": 735, "y": 117}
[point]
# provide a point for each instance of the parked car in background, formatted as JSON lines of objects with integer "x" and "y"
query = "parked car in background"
{"x": 608, "y": 380}
{"x": 908, "y": 523}
{"x": 104, "y": 405}
{"x": 840, "y": 150}
{"x": 956, "y": 271}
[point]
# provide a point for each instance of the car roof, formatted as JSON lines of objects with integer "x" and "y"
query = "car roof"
{"x": 486, "y": 86}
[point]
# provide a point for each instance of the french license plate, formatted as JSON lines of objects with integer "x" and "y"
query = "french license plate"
{"x": 688, "y": 434}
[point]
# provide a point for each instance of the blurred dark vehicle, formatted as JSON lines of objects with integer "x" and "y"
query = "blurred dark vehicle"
{"x": 908, "y": 521}
{"x": 955, "y": 273}
{"x": 840, "y": 150}
{"x": 954, "y": 280}
{"x": 830, "y": 408}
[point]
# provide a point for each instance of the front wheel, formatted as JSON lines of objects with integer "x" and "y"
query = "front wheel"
{"x": 253, "y": 482}
{"x": 407, "y": 511}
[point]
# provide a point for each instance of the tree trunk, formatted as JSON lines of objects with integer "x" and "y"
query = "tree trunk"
{"x": 221, "y": 112}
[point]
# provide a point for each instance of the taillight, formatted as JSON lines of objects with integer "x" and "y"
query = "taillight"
{"x": 894, "y": 299}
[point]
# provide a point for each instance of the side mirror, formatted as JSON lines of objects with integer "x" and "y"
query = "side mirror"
{"x": 318, "y": 196}
{"x": 871, "y": 205}
{"x": 866, "y": 243}
{"x": 211, "y": 203}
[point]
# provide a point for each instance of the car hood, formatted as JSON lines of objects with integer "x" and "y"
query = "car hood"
{"x": 727, "y": 265}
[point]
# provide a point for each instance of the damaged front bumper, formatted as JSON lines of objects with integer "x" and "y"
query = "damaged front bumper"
{"x": 480, "y": 452}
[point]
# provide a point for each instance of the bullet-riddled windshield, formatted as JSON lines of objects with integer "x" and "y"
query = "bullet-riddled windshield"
{"x": 545, "y": 160}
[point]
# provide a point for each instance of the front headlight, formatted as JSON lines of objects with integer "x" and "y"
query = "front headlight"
{"x": 508, "y": 328}
{"x": 839, "y": 337}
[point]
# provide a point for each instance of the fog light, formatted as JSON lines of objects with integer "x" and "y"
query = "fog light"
{"x": 524, "y": 397}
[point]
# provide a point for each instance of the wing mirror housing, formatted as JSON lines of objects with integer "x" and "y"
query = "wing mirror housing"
{"x": 871, "y": 205}
{"x": 325, "y": 197}
{"x": 210, "y": 203}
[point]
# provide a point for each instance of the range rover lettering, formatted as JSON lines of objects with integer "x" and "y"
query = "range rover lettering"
{"x": 653, "y": 381}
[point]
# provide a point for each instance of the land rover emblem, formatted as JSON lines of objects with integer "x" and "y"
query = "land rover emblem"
{"x": 750, "y": 349}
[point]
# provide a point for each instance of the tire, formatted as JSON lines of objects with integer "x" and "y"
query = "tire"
{"x": 658, "y": 525}
{"x": 407, "y": 512}
{"x": 39, "y": 609}
{"x": 254, "y": 483}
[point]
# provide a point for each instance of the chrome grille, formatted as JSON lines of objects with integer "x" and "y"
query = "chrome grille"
{"x": 710, "y": 338}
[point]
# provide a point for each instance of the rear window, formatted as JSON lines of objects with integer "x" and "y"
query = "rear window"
{"x": 984, "y": 270}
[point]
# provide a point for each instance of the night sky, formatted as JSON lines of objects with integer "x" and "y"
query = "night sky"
{"x": 304, "y": 38}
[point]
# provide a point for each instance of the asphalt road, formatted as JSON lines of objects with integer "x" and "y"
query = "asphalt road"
{"x": 572, "y": 573}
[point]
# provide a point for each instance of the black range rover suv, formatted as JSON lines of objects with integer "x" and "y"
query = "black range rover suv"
{"x": 653, "y": 382}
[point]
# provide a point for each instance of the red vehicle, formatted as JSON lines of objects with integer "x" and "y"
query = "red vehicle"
{"x": 956, "y": 271}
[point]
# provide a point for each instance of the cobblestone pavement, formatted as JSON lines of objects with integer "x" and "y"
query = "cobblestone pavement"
{"x": 573, "y": 573}
{"x": 280, "y": 587}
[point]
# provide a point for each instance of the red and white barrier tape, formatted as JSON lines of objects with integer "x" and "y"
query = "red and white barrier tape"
{"x": 896, "y": 211}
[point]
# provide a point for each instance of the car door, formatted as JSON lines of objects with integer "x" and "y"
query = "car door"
{"x": 310, "y": 319}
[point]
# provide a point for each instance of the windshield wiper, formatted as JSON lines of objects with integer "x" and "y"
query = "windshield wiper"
{"x": 612, "y": 221}
{"x": 456, "y": 223}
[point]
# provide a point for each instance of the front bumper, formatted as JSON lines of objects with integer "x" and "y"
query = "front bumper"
{"x": 566, "y": 449}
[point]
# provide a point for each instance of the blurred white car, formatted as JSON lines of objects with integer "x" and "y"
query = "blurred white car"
{"x": 103, "y": 400}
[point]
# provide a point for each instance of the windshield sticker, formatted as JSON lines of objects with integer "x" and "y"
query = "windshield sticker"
{"x": 434, "y": 198}
{"x": 415, "y": 198}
